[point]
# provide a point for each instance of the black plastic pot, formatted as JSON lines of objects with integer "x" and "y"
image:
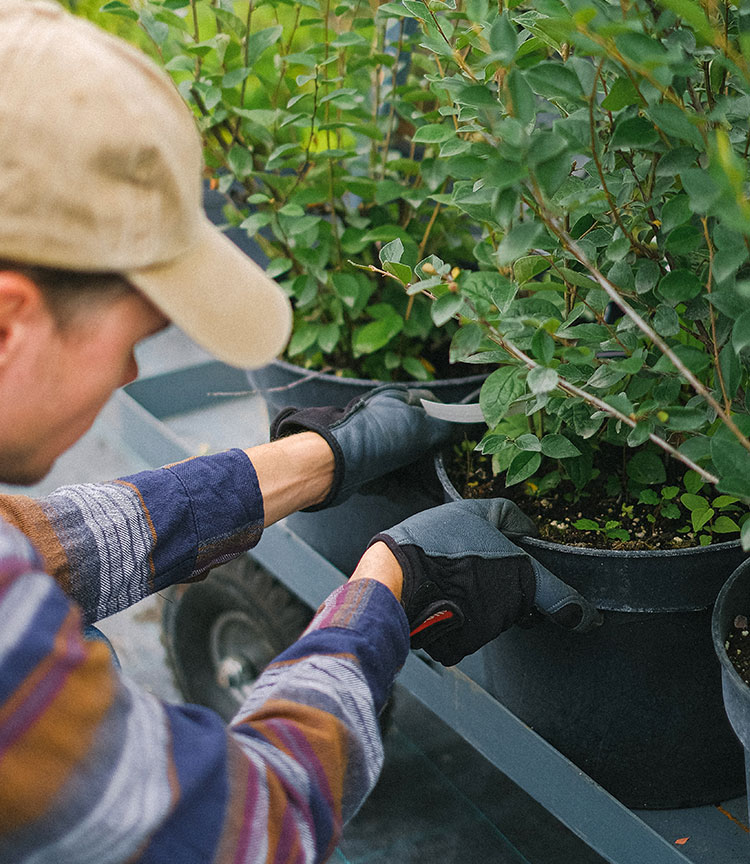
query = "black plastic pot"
{"x": 733, "y": 600}
{"x": 637, "y": 703}
{"x": 342, "y": 533}
{"x": 283, "y": 384}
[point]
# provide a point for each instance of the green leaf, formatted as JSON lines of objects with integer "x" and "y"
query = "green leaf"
{"x": 400, "y": 271}
{"x": 622, "y": 94}
{"x": 725, "y": 525}
{"x": 465, "y": 342}
{"x": 543, "y": 346}
{"x": 240, "y": 162}
{"x": 388, "y": 190}
{"x": 415, "y": 368}
{"x": 255, "y": 222}
{"x": 445, "y": 307}
{"x": 526, "y": 268}
{"x": 606, "y": 375}
{"x": 528, "y": 441}
{"x": 522, "y": 100}
{"x": 417, "y": 9}
{"x": 542, "y": 379}
{"x": 558, "y": 447}
{"x": 693, "y": 481}
{"x": 499, "y": 390}
{"x": 722, "y": 501}
{"x": 518, "y": 241}
{"x": 235, "y": 77}
{"x": 693, "y": 15}
{"x": 666, "y": 321}
{"x": 262, "y": 40}
{"x": 702, "y": 189}
{"x": 278, "y": 266}
{"x": 741, "y": 333}
{"x": 504, "y": 39}
{"x": 647, "y": 468}
{"x": 695, "y": 359}
{"x": 635, "y": 133}
{"x": 683, "y": 419}
{"x": 392, "y": 252}
{"x": 674, "y": 121}
{"x": 118, "y": 8}
{"x": 586, "y": 525}
{"x": 434, "y": 133}
{"x": 303, "y": 338}
{"x": 157, "y": 30}
{"x": 675, "y": 212}
{"x": 694, "y": 502}
{"x": 646, "y": 275}
{"x": 375, "y": 335}
{"x": 684, "y": 240}
{"x": 328, "y": 337}
{"x": 522, "y": 467}
{"x": 639, "y": 435}
{"x": 680, "y": 285}
{"x": 700, "y": 517}
{"x": 554, "y": 81}
{"x": 731, "y": 459}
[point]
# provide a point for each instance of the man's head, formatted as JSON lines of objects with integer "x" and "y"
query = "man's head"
{"x": 100, "y": 173}
{"x": 66, "y": 343}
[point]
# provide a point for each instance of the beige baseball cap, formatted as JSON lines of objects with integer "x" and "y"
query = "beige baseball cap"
{"x": 100, "y": 170}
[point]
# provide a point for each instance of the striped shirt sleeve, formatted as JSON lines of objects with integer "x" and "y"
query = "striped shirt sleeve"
{"x": 111, "y": 544}
{"x": 94, "y": 770}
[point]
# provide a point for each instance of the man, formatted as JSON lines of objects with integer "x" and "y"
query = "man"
{"x": 102, "y": 243}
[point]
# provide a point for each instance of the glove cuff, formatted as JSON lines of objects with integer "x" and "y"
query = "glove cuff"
{"x": 290, "y": 421}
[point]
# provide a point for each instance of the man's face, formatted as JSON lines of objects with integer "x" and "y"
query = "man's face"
{"x": 56, "y": 384}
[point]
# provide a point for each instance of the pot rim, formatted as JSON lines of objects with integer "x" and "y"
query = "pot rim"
{"x": 718, "y": 636}
{"x": 562, "y": 548}
{"x": 374, "y": 382}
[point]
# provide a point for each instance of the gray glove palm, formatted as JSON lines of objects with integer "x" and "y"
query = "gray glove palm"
{"x": 465, "y": 582}
{"x": 372, "y": 436}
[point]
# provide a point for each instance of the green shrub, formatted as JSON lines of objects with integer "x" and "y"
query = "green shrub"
{"x": 602, "y": 149}
{"x": 304, "y": 110}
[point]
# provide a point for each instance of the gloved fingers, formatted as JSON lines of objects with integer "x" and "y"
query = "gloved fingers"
{"x": 407, "y": 395}
{"x": 503, "y": 514}
{"x": 562, "y": 603}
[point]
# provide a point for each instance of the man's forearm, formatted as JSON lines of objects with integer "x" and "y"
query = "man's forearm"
{"x": 293, "y": 473}
{"x": 111, "y": 544}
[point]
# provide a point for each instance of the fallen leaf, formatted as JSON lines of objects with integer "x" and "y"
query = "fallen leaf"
{"x": 682, "y": 841}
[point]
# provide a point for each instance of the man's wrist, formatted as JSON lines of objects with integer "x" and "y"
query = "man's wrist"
{"x": 380, "y": 564}
{"x": 293, "y": 473}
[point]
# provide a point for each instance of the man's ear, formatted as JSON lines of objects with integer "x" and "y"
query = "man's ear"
{"x": 22, "y": 311}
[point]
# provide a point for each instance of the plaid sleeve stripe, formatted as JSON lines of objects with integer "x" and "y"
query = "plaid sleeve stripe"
{"x": 28, "y": 516}
{"x": 106, "y": 532}
{"x": 57, "y": 700}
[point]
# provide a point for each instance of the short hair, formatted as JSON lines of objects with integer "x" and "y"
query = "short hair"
{"x": 68, "y": 292}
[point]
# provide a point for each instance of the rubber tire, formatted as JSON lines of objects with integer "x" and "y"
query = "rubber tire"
{"x": 239, "y": 595}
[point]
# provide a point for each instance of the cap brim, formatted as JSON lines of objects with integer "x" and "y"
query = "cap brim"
{"x": 221, "y": 299}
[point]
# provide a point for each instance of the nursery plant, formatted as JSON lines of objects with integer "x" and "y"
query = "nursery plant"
{"x": 303, "y": 108}
{"x": 600, "y": 150}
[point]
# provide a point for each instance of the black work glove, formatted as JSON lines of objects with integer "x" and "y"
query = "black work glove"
{"x": 465, "y": 582}
{"x": 372, "y": 436}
